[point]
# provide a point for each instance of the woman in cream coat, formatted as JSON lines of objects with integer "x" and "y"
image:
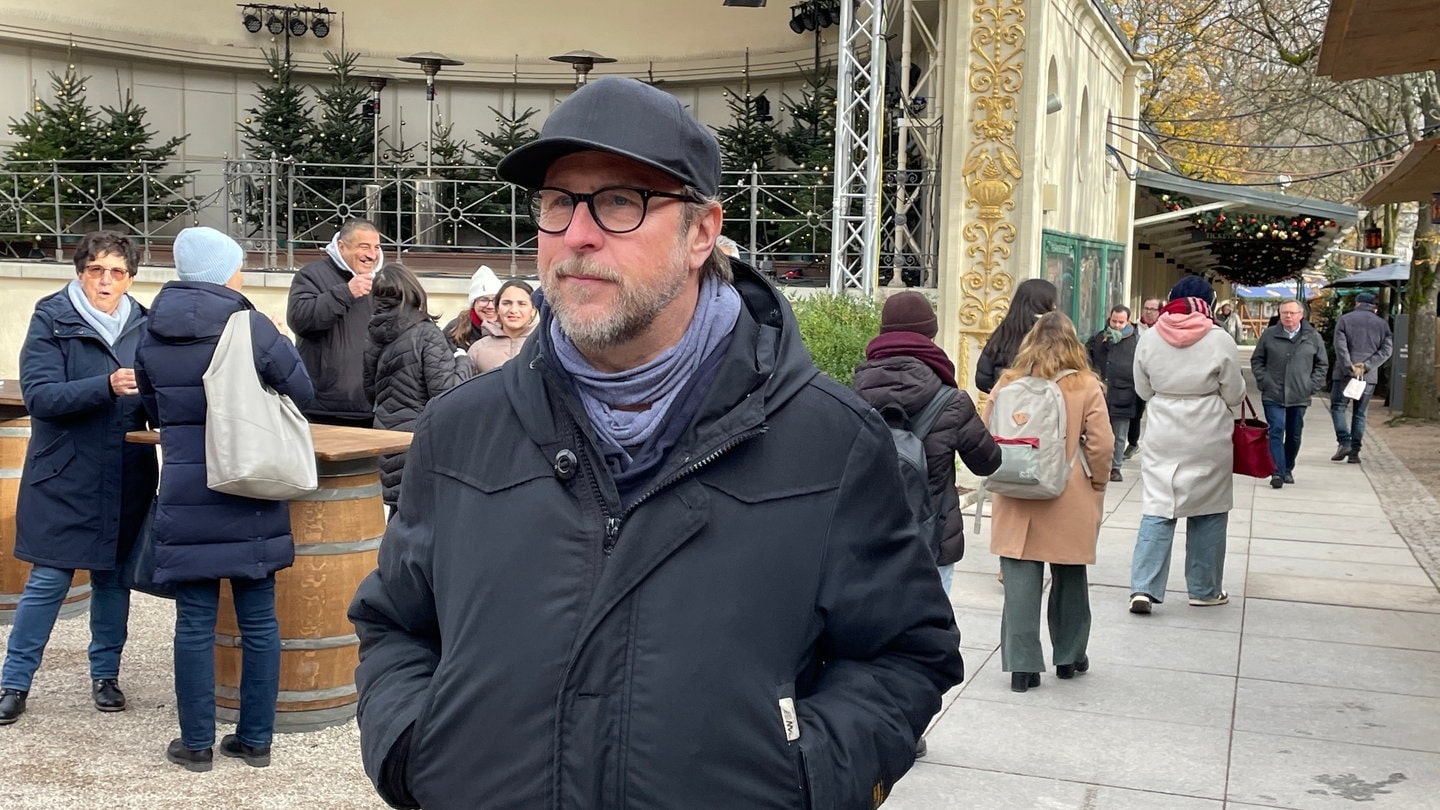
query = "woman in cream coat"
{"x": 517, "y": 320}
{"x": 1186, "y": 367}
{"x": 1026, "y": 534}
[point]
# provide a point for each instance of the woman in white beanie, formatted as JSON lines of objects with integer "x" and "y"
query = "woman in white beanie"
{"x": 203, "y": 536}
{"x": 479, "y": 318}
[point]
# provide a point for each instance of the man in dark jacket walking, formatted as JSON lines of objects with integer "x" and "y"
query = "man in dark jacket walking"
{"x": 1112, "y": 354}
{"x": 1290, "y": 365}
{"x": 1362, "y": 345}
{"x": 329, "y": 310}
{"x": 673, "y": 565}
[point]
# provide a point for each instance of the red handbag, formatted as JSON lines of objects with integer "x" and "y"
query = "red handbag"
{"x": 1252, "y": 444}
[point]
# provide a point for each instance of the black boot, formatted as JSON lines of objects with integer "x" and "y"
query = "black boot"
{"x": 258, "y": 757}
{"x": 1341, "y": 452}
{"x": 197, "y": 761}
{"x": 1067, "y": 671}
{"x": 1020, "y": 681}
{"x": 12, "y": 705}
{"x": 1354, "y": 457}
{"x": 108, "y": 697}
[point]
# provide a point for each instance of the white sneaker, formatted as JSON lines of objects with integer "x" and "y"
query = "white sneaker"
{"x": 1219, "y": 600}
{"x": 1140, "y": 603}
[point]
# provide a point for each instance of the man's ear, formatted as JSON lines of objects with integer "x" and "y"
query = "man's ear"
{"x": 704, "y": 230}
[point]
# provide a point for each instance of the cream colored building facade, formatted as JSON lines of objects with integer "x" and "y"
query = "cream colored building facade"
{"x": 1013, "y": 175}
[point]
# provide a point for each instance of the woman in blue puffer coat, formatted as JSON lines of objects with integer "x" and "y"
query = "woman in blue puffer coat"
{"x": 203, "y": 536}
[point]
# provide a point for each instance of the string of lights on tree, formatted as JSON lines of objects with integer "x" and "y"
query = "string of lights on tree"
{"x": 1252, "y": 249}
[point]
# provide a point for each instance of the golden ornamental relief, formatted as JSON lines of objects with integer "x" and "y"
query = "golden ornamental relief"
{"x": 991, "y": 169}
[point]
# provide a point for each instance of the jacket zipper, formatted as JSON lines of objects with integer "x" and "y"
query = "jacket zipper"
{"x": 614, "y": 524}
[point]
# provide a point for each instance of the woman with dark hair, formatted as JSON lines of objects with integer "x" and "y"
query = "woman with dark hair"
{"x": 84, "y": 490}
{"x": 1033, "y": 298}
{"x": 407, "y": 363}
{"x": 517, "y": 321}
{"x": 1062, "y": 530}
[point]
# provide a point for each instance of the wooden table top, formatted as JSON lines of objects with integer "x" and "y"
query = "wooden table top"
{"x": 10, "y": 394}
{"x": 332, "y": 442}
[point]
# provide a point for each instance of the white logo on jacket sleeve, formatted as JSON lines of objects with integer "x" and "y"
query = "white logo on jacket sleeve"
{"x": 787, "y": 716}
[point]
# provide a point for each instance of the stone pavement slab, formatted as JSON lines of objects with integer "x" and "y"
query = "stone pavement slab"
{"x": 1346, "y": 625}
{"x": 1357, "y": 594}
{"x": 1340, "y": 715}
{"x": 930, "y": 786}
{"x": 1275, "y": 771}
{"x": 1348, "y": 666}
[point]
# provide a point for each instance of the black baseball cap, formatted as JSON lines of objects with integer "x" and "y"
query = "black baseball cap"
{"x": 626, "y": 117}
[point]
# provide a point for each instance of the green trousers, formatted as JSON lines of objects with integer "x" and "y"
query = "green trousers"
{"x": 1067, "y": 613}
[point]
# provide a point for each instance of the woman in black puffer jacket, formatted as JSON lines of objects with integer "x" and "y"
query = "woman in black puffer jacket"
{"x": 407, "y": 363}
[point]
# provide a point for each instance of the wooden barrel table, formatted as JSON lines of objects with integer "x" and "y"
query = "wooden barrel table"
{"x": 338, "y": 529}
{"x": 14, "y": 439}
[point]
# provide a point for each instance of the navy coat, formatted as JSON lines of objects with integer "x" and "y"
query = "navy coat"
{"x": 84, "y": 491}
{"x": 200, "y": 533}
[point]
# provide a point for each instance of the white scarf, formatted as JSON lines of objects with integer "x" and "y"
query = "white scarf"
{"x": 106, "y": 324}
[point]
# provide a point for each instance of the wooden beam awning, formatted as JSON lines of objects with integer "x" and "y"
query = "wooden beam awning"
{"x": 1365, "y": 38}
{"x": 1413, "y": 179}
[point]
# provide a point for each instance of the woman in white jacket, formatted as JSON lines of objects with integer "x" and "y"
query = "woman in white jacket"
{"x": 1187, "y": 369}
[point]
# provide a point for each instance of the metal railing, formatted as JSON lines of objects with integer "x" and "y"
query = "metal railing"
{"x": 781, "y": 219}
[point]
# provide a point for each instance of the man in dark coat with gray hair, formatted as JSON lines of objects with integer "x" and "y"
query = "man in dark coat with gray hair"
{"x": 1362, "y": 345}
{"x": 657, "y": 560}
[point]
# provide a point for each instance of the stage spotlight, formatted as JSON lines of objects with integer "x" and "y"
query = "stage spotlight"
{"x": 275, "y": 24}
{"x": 823, "y": 16}
{"x": 297, "y": 26}
{"x": 252, "y": 22}
{"x": 320, "y": 27}
{"x": 797, "y": 24}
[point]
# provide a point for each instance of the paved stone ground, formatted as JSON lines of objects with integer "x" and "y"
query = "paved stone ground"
{"x": 1406, "y": 502}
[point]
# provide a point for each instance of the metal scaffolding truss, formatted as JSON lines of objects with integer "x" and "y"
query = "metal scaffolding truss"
{"x": 887, "y": 214}
{"x": 859, "y": 122}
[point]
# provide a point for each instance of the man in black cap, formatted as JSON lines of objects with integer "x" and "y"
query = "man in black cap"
{"x": 1362, "y": 344}
{"x": 672, "y": 565}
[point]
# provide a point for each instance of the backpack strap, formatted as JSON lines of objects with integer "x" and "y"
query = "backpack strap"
{"x": 925, "y": 420}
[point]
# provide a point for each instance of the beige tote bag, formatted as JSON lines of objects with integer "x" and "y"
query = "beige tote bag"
{"x": 257, "y": 443}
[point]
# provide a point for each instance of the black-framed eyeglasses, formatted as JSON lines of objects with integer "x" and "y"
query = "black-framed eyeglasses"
{"x": 116, "y": 273}
{"x": 616, "y": 209}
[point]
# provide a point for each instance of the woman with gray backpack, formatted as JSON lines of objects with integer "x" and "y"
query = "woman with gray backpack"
{"x": 1048, "y": 410}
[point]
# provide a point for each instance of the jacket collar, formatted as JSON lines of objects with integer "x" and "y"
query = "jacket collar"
{"x": 68, "y": 322}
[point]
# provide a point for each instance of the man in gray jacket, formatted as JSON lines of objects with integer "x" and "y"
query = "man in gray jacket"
{"x": 1290, "y": 365}
{"x": 657, "y": 560}
{"x": 1362, "y": 344}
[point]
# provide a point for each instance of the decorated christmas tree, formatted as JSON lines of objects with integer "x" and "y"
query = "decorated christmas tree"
{"x": 747, "y": 142}
{"x": 338, "y": 148}
{"x": 501, "y": 212}
{"x": 279, "y": 124}
{"x": 808, "y": 145}
{"x": 99, "y": 166}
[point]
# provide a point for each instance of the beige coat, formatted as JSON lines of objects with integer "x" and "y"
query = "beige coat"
{"x": 492, "y": 350}
{"x": 1061, "y": 530}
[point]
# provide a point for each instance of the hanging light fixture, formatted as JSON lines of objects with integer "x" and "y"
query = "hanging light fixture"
{"x": 297, "y": 26}
{"x": 320, "y": 27}
{"x": 1374, "y": 238}
{"x": 252, "y": 21}
{"x": 275, "y": 24}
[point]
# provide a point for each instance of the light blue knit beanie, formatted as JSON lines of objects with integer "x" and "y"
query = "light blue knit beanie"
{"x": 205, "y": 254}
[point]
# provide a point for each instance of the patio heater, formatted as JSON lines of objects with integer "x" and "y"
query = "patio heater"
{"x": 430, "y": 62}
{"x": 582, "y": 61}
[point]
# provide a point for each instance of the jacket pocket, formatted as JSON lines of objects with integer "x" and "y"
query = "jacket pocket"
{"x": 50, "y": 460}
{"x": 789, "y": 725}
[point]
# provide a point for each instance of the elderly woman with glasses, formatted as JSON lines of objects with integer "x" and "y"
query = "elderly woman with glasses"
{"x": 84, "y": 491}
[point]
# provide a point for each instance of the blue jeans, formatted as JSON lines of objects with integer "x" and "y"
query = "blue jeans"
{"x": 1286, "y": 422}
{"x": 1350, "y": 431}
{"x": 1204, "y": 555}
{"x": 947, "y": 576}
{"x": 35, "y": 616}
{"x": 196, "y": 604}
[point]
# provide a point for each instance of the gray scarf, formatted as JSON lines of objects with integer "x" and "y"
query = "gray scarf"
{"x": 657, "y": 382}
{"x": 107, "y": 325}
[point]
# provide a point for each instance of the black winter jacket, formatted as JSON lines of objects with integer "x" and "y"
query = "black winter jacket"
{"x": 1115, "y": 363}
{"x": 909, "y": 383}
{"x": 84, "y": 491}
{"x": 330, "y": 327}
{"x": 763, "y": 629}
{"x": 408, "y": 363}
{"x": 199, "y": 533}
{"x": 1289, "y": 372}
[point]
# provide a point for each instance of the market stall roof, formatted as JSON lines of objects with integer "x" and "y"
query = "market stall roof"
{"x": 1172, "y": 233}
{"x": 1365, "y": 38}
{"x": 1413, "y": 179}
{"x": 1283, "y": 289}
{"x": 1386, "y": 275}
